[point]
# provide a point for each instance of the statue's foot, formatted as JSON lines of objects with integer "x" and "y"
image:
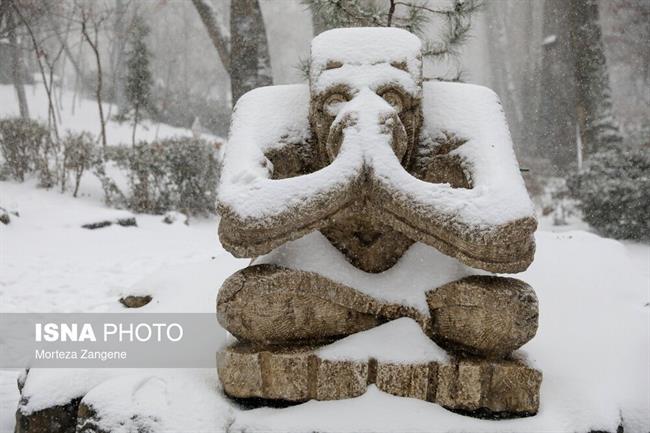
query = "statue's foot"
{"x": 273, "y": 304}
{"x": 483, "y": 315}
{"x": 478, "y": 315}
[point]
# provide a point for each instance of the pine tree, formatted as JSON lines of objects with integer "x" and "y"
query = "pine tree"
{"x": 138, "y": 74}
{"x": 410, "y": 15}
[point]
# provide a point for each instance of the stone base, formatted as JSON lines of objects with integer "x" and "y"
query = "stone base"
{"x": 503, "y": 388}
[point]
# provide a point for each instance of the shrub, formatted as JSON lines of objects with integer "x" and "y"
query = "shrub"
{"x": 172, "y": 174}
{"x": 613, "y": 191}
{"x": 78, "y": 154}
{"x": 25, "y": 146}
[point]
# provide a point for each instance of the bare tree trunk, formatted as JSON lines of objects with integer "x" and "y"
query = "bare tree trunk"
{"x": 557, "y": 114}
{"x": 135, "y": 124}
{"x": 216, "y": 30}
{"x": 250, "y": 65}
{"x": 38, "y": 52}
{"x": 245, "y": 52}
{"x": 98, "y": 89}
{"x": 77, "y": 77}
{"x": 598, "y": 126}
{"x": 17, "y": 66}
{"x": 118, "y": 54}
{"x": 264, "y": 71}
{"x": 87, "y": 82}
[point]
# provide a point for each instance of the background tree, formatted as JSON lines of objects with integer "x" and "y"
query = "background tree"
{"x": 12, "y": 68}
{"x": 138, "y": 74}
{"x": 243, "y": 49}
{"x": 410, "y": 15}
{"x": 576, "y": 116}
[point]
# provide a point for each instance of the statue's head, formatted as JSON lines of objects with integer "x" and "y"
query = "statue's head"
{"x": 377, "y": 71}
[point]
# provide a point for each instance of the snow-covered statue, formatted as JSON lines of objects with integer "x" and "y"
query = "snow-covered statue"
{"x": 375, "y": 206}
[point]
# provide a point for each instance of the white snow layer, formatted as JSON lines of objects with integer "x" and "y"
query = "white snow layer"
{"x": 470, "y": 112}
{"x": 592, "y": 344}
{"x": 86, "y": 116}
{"x": 400, "y": 341}
{"x": 420, "y": 269}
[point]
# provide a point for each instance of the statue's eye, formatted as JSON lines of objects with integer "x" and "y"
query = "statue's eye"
{"x": 334, "y": 102}
{"x": 394, "y": 99}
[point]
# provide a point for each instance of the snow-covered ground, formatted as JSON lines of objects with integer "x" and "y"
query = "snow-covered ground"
{"x": 85, "y": 116}
{"x": 592, "y": 344}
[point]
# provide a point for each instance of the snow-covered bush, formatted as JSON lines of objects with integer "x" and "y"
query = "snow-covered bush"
{"x": 172, "y": 174}
{"x": 25, "y": 147}
{"x": 613, "y": 191}
{"x": 78, "y": 154}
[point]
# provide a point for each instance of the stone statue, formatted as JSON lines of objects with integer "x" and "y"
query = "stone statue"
{"x": 367, "y": 197}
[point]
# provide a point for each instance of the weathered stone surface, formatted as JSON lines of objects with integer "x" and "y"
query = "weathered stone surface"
{"x": 406, "y": 380}
{"x": 240, "y": 372}
{"x": 367, "y": 243}
{"x": 54, "y": 419}
{"x": 503, "y": 388}
{"x": 505, "y": 248}
{"x": 88, "y": 420}
{"x": 336, "y": 380}
{"x": 506, "y": 388}
{"x": 272, "y": 304}
{"x": 483, "y": 315}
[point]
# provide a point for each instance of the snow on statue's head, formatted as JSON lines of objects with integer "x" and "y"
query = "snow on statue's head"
{"x": 377, "y": 70}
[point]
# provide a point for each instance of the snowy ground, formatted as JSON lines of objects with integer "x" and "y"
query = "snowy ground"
{"x": 592, "y": 345}
{"x": 85, "y": 116}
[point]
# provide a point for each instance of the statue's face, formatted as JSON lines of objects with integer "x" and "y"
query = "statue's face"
{"x": 389, "y": 86}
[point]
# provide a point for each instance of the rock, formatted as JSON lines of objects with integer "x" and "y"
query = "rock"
{"x": 127, "y": 222}
{"x": 505, "y": 388}
{"x": 135, "y": 301}
{"x": 173, "y": 217}
{"x": 54, "y": 419}
{"x": 97, "y": 225}
{"x": 4, "y": 217}
{"x": 483, "y": 315}
{"x": 124, "y": 222}
{"x": 272, "y": 304}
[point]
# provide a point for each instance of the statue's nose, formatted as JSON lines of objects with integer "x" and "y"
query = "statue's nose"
{"x": 367, "y": 120}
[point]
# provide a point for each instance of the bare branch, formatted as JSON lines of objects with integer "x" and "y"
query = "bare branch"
{"x": 217, "y": 32}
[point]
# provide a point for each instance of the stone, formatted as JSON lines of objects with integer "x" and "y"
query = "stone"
{"x": 124, "y": 222}
{"x": 54, "y": 419}
{"x": 133, "y": 301}
{"x": 495, "y": 388}
{"x": 272, "y": 304}
{"x": 4, "y": 217}
{"x": 371, "y": 217}
{"x": 376, "y": 160}
{"x": 483, "y": 315}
